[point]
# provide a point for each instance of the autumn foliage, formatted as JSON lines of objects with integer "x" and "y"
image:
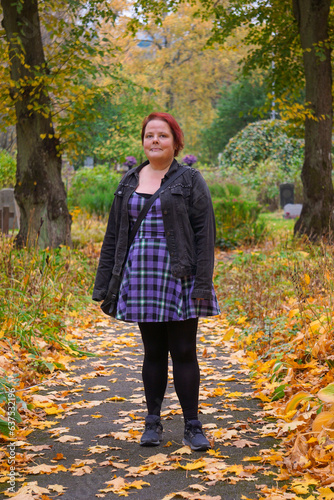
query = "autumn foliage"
{"x": 277, "y": 323}
{"x": 280, "y": 302}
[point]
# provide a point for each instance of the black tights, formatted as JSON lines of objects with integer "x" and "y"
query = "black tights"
{"x": 178, "y": 338}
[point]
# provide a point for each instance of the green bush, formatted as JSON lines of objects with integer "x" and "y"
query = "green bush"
{"x": 219, "y": 190}
{"x": 260, "y": 158}
{"x": 7, "y": 170}
{"x": 262, "y": 184}
{"x": 237, "y": 222}
{"x": 261, "y": 141}
{"x": 92, "y": 189}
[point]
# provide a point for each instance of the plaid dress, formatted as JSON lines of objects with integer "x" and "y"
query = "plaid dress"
{"x": 149, "y": 291}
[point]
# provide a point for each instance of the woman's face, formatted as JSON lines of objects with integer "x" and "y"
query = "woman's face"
{"x": 158, "y": 142}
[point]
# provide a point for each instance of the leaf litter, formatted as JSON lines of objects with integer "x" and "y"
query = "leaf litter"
{"x": 294, "y": 386}
{"x": 64, "y": 395}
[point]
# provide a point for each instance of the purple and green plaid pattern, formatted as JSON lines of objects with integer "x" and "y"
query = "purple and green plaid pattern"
{"x": 149, "y": 291}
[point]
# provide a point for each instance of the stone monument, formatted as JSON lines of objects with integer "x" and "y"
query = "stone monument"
{"x": 292, "y": 210}
{"x": 9, "y": 211}
{"x": 286, "y": 192}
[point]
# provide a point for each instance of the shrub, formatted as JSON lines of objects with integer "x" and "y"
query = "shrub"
{"x": 92, "y": 189}
{"x": 260, "y": 158}
{"x": 259, "y": 141}
{"x": 7, "y": 170}
{"x": 262, "y": 184}
{"x": 237, "y": 222}
{"x": 219, "y": 190}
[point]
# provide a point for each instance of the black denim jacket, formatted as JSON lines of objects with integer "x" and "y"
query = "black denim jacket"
{"x": 189, "y": 228}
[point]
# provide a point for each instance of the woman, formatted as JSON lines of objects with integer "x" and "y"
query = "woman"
{"x": 167, "y": 277}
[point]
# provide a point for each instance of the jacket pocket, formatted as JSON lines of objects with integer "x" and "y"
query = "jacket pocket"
{"x": 180, "y": 198}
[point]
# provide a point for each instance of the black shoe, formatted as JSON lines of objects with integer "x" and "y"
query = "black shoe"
{"x": 194, "y": 437}
{"x": 152, "y": 435}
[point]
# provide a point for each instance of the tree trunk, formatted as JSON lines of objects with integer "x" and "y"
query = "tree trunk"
{"x": 39, "y": 189}
{"x": 316, "y": 219}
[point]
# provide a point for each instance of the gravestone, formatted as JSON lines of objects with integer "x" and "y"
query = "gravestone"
{"x": 9, "y": 211}
{"x": 286, "y": 194}
{"x": 89, "y": 162}
{"x": 292, "y": 211}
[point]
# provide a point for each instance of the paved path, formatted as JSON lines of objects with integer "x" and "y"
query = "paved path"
{"x": 91, "y": 449}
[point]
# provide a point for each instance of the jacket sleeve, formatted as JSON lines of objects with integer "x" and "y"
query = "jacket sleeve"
{"x": 202, "y": 220}
{"x": 107, "y": 258}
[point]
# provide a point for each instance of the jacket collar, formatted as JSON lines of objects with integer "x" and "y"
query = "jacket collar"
{"x": 174, "y": 166}
{"x": 138, "y": 169}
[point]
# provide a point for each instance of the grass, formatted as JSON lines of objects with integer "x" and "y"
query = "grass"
{"x": 39, "y": 289}
{"x": 276, "y": 223}
{"x": 87, "y": 229}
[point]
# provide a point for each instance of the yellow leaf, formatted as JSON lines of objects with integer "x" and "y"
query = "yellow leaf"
{"x": 297, "y": 398}
{"x": 262, "y": 396}
{"x": 41, "y": 469}
{"x": 315, "y": 326}
{"x": 68, "y": 439}
{"x": 198, "y": 464}
{"x": 42, "y": 136}
{"x": 53, "y": 410}
{"x": 61, "y": 468}
{"x": 304, "y": 254}
{"x": 119, "y": 485}
{"x": 307, "y": 279}
{"x": 326, "y": 494}
{"x": 293, "y": 313}
{"x": 228, "y": 334}
{"x": 301, "y": 489}
{"x": 305, "y": 481}
{"x": 116, "y": 398}
{"x": 312, "y": 440}
{"x": 242, "y": 320}
{"x": 237, "y": 469}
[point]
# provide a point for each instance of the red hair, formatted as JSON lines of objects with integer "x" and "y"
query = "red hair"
{"x": 174, "y": 126}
